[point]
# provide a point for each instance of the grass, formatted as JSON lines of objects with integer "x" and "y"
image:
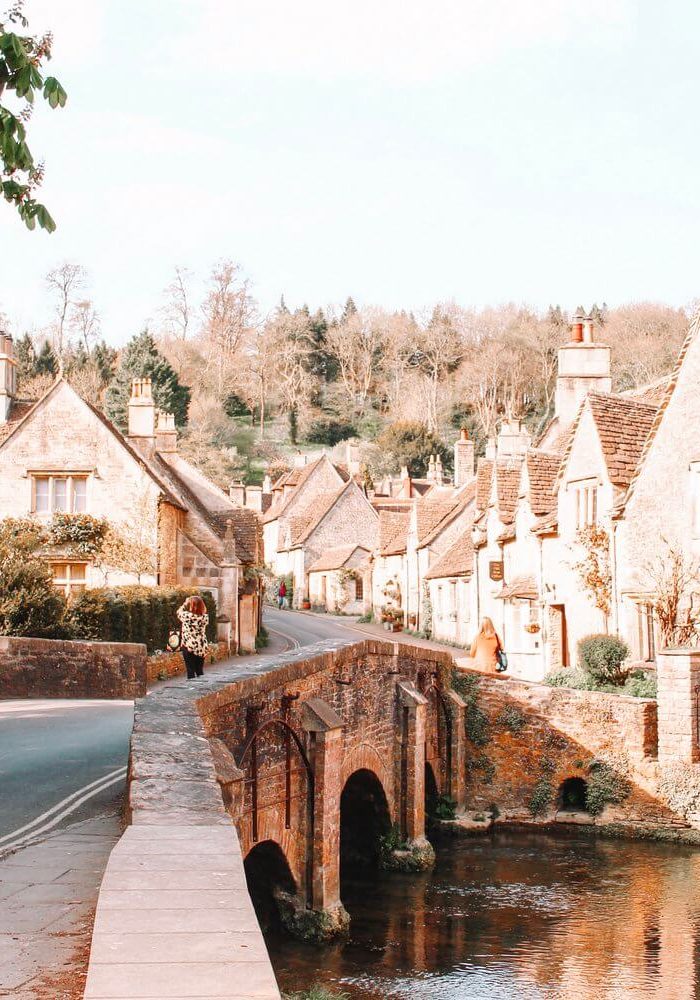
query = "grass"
{"x": 315, "y": 992}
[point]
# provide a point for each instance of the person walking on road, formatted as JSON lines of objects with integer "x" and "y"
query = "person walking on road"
{"x": 194, "y": 620}
{"x": 282, "y": 595}
{"x": 484, "y": 650}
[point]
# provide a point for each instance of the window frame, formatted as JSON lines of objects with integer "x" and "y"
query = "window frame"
{"x": 70, "y": 478}
{"x": 65, "y": 582}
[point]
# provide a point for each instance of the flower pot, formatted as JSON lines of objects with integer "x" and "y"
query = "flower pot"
{"x": 306, "y": 605}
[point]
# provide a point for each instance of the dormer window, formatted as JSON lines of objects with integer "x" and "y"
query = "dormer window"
{"x": 59, "y": 494}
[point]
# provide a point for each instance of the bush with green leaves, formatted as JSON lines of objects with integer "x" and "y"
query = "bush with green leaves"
{"x": 445, "y": 808}
{"x": 542, "y": 796}
{"x": 330, "y": 431}
{"x": 29, "y": 602}
{"x": 477, "y": 722}
{"x": 602, "y": 656}
{"x": 132, "y": 614}
{"x": 604, "y": 786}
{"x": 637, "y": 684}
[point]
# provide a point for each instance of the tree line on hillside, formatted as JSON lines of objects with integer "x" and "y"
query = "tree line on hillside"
{"x": 245, "y": 388}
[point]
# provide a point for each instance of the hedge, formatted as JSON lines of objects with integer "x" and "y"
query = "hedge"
{"x": 132, "y": 614}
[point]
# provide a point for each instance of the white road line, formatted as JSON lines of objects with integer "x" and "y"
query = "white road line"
{"x": 86, "y": 792}
{"x": 283, "y": 635}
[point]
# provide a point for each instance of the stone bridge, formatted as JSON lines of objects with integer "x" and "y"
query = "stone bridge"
{"x": 321, "y": 756}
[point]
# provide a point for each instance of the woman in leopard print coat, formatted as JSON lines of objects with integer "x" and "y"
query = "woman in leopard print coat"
{"x": 194, "y": 620}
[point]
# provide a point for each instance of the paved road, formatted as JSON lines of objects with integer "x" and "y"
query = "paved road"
{"x": 303, "y": 630}
{"x": 54, "y": 753}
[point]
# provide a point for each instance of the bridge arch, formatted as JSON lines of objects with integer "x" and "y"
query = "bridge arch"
{"x": 268, "y": 873}
{"x": 365, "y": 757}
{"x": 364, "y": 818}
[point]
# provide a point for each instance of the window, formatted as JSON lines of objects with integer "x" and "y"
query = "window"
{"x": 359, "y": 588}
{"x": 647, "y": 642}
{"x": 695, "y": 497}
{"x": 586, "y": 505}
{"x": 69, "y": 577}
{"x": 60, "y": 494}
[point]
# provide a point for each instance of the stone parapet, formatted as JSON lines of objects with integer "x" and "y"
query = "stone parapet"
{"x": 53, "y": 668}
{"x": 678, "y": 674}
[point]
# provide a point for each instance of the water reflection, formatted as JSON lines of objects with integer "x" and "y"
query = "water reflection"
{"x": 517, "y": 915}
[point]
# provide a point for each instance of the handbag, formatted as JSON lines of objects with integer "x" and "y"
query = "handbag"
{"x": 502, "y": 660}
{"x": 174, "y": 640}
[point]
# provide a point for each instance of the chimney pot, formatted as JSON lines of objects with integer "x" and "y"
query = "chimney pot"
{"x": 142, "y": 411}
{"x": 8, "y": 376}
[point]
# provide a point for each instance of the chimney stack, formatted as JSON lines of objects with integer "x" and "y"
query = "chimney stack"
{"x": 431, "y": 469}
{"x": 464, "y": 459}
{"x": 236, "y": 492}
{"x": 8, "y": 376}
{"x": 166, "y": 432}
{"x": 142, "y": 412}
{"x": 406, "y": 488}
{"x": 299, "y": 460}
{"x": 253, "y": 498}
{"x": 513, "y": 439}
{"x": 438, "y": 471}
{"x": 583, "y": 366}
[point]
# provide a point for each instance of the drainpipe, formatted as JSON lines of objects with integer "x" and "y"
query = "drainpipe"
{"x": 478, "y": 596}
{"x": 613, "y": 572}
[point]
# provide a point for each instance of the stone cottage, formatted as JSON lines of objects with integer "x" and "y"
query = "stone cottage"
{"x": 61, "y": 455}
{"x": 340, "y": 580}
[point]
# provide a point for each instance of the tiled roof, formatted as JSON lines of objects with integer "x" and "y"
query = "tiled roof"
{"x": 429, "y": 513}
{"x": 296, "y": 477}
{"x": 457, "y": 561}
{"x": 507, "y": 488}
{"x": 693, "y": 332}
{"x": 652, "y": 393}
{"x": 393, "y": 530}
{"x": 20, "y": 409}
{"x": 623, "y": 426}
{"x": 507, "y": 535}
{"x": 484, "y": 471}
{"x": 460, "y": 501}
{"x": 335, "y": 558}
{"x": 542, "y": 468}
{"x": 546, "y": 525}
{"x": 303, "y": 524}
{"x": 521, "y": 586}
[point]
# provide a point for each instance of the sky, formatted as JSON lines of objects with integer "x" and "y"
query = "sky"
{"x": 400, "y": 151}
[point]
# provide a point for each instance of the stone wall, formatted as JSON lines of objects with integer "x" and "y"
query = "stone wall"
{"x": 51, "y": 668}
{"x": 525, "y": 740}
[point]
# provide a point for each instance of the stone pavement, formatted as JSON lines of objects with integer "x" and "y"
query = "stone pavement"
{"x": 48, "y": 893}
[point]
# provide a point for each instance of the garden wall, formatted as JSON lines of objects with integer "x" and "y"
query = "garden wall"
{"x": 55, "y": 668}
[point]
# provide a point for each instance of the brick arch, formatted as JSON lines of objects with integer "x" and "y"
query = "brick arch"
{"x": 365, "y": 757}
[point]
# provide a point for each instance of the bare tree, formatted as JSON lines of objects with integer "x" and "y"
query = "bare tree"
{"x": 64, "y": 282}
{"x": 85, "y": 320}
{"x": 676, "y": 579}
{"x": 177, "y": 309}
{"x": 228, "y": 313}
{"x": 357, "y": 343}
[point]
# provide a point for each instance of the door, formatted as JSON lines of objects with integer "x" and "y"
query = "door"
{"x": 560, "y": 636}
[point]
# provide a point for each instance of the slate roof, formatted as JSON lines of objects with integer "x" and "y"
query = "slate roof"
{"x": 336, "y": 558}
{"x": 20, "y": 409}
{"x": 393, "y": 531}
{"x": 429, "y": 514}
{"x": 542, "y": 469}
{"x": 457, "y": 561}
{"x": 546, "y": 525}
{"x": 484, "y": 472}
{"x": 623, "y": 426}
{"x": 303, "y": 524}
{"x": 459, "y": 503}
{"x": 521, "y": 586}
{"x": 507, "y": 488}
{"x": 296, "y": 477}
{"x": 652, "y": 393}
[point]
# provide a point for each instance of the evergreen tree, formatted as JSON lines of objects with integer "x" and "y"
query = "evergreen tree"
{"x": 349, "y": 310}
{"x": 25, "y": 356}
{"x": 142, "y": 359}
{"x": 105, "y": 359}
{"x": 46, "y": 361}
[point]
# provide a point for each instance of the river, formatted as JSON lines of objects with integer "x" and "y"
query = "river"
{"x": 516, "y": 915}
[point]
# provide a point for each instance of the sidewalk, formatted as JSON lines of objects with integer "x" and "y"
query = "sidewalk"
{"x": 375, "y": 631}
{"x": 48, "y": 894}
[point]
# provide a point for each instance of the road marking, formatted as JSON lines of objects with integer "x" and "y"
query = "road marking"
{"x": 283, "y": 635}
{"x": 33, "y": 829}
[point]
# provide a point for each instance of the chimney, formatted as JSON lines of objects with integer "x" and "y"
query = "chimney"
{"x": 513, "y": 439}
{"x": 431, "y": 469}
{"x": 438, "y": 471}
{"x": 490, "y": 449}
{"x": 583, "y": 366}
{"x": 142, "y": 412}
{"x": 577, "y": 326}
{"x": 166, "y": 432}
{"x": 267, "y": 485}
{"x": 299, "y": 460}
{"x": 406, "y": 488}
{"x": 8, "y": 376}
{"x": 237, "y": 492}
{"x": 253, "y": 498}
{"x": 464, "y": 459}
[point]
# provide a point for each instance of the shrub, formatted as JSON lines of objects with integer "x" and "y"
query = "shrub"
{"x": 541, "y": 798}
{"x": 366, "y": 619}
{"x": 602, "y": 656}
{"x": 132, "y": 614}
{"x": 604, "y": 786}
{"x": 445, "y": 808}
{"x": 640, "y": 684}
{"x": 29, "y": 602}
{"x": 330, "y": 431}
{"x": 262, "y": 639}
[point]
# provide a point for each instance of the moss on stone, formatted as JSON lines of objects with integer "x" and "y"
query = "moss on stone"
{"x": 314, "y": 926}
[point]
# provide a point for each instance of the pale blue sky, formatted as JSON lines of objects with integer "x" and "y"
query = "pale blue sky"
{"x": 400, "y": 151}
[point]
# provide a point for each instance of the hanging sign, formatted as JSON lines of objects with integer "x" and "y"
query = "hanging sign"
{"x": 496, "y": 571}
